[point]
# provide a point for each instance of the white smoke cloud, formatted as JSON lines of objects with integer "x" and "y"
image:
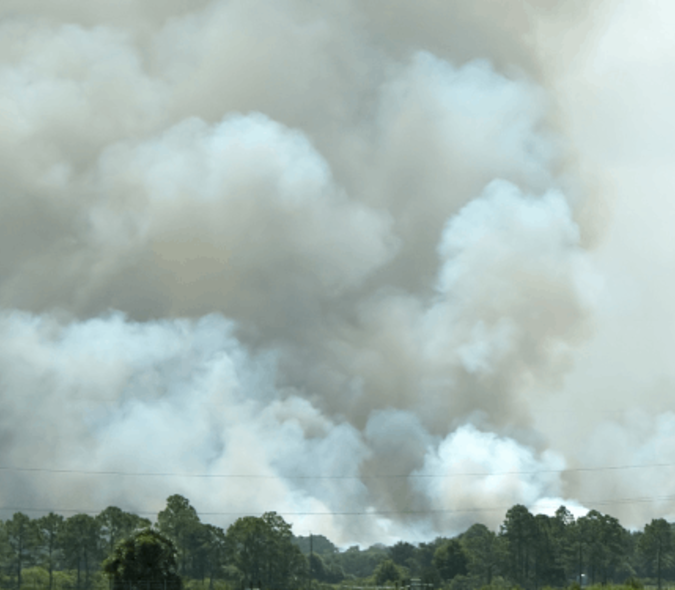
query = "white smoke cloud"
{"x": 174, "y": 397}
{"x": 289, "y": 240}
{"x": 470, "y": 468}
{"x": 513, "y": 273}
{"x": 248, "y": 188}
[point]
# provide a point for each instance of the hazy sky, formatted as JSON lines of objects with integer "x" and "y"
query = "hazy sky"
{"x": 385, "y": 267}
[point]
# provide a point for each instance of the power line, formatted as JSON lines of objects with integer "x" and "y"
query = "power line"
{"x": 116, "y": 473}
{"x": 607, "y": 502}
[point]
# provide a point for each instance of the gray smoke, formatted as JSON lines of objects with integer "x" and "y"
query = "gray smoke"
{"x": 349, "y": 250}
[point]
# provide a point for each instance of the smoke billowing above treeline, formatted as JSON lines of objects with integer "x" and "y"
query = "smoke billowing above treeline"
{"x": 324, "y": 244}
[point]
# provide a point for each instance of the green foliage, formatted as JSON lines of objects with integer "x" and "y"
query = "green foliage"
{"x": 462, "y": 582}
{"x": 519, "y": 532}
{"x": 21, "y": 536}
{"x": 450, "y": 560}
{"x": 48, "y": 531}
{"x": 543, "y": 550}
{"x": 402, "y": 553}
{"x": 498, "y": 583}
{"x": 264, "y": 552}
{"x": 147, "y": 556}
{"x": 530, "y": 552}
{"x": 115, "y": 525}
{"x": 605, "y": 540}
{"x": 317, "y": 543}
{"x": 422, "y": 565}
{"x": 387, "y": 571}
{"x": 317, "y": 567}
{"x": 180, "y": 523}
{"x": 35, "y": 577}
{"x": 329, "y": 573}
{"x": 361, "y": 564}
{"x": 485, "y": 551}
{"x": 634, "y": 583}
{"x": 657, "y": 545}
{"x": 424, "y": 556}
{"x": 548, "y": 565}
{"x": 211, "y": 555}
{"x": 81, "y": 547}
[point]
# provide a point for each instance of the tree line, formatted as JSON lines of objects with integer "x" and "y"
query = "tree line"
{"x": 253, "y": 552}
{"x": 529, "y": 551}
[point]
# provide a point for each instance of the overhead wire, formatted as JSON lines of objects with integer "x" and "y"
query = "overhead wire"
{"x": 119, "y": 473}
{"x": 243, "y": 476}
{"x": 606, "y": 502}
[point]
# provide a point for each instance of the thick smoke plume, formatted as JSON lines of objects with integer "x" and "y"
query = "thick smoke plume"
{"x": 343, "y": 260}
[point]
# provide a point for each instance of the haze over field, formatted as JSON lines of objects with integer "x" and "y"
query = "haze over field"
{"x": 324, "y": 244}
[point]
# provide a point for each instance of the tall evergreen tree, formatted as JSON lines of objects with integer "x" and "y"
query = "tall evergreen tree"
{"x": 548, "y": 564}
{"x": 485, "y": 552}
{"x": 49, "y": 529}
{"x": 21, "y": 536}
{"x": 519, "y": 532}
{"x": 115, "y": 525}
{"x": 657, "y": 544}
{"x": 180, "y": 522}
{"x": 80, "y": 539}
{"x": 606, "y": 545}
